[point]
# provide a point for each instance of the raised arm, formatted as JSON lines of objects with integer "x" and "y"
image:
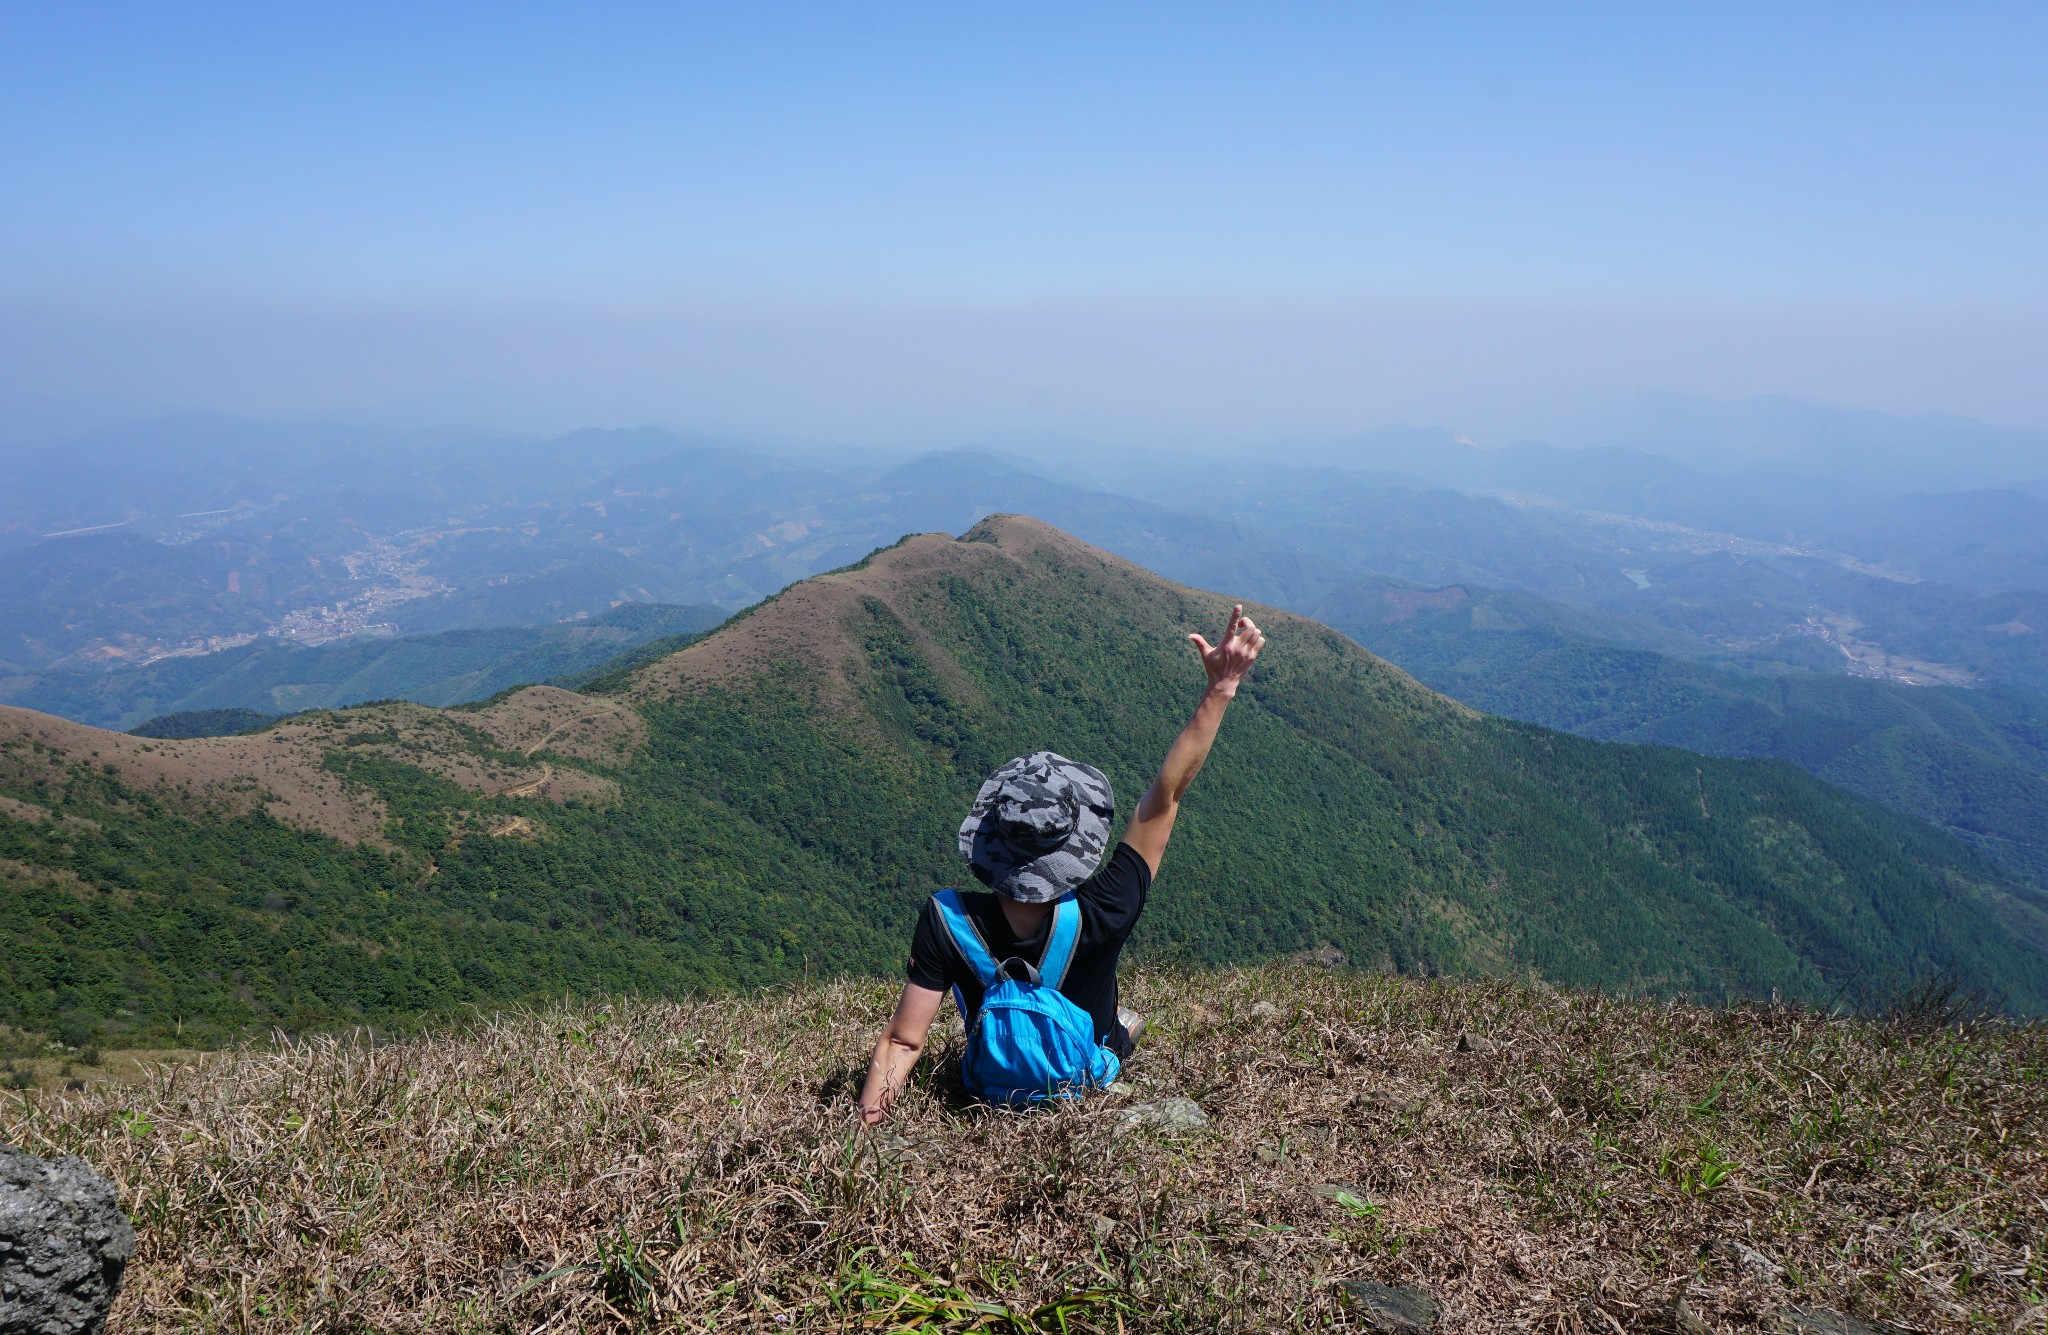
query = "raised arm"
{"x": 1226, "y": 665}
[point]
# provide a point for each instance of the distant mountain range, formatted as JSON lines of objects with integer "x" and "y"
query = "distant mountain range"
{"x": 779, "y": 795}
{"x": 547, "y": 557}
{"x": 1873, "y": 451}
{"x": 446, "y": 668}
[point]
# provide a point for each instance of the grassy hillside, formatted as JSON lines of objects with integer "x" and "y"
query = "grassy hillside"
{"x": 639, "y": 1167}
{"x": 1972, "y": 761}
{"x": 777, "y": 798}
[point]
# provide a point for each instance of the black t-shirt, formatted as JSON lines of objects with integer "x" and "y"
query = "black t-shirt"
{"x": 1110, "y": 900}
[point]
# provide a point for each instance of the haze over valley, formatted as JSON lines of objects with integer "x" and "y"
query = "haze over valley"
{"x": 224, "y": 571}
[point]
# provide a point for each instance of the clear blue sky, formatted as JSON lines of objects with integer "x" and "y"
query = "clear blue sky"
{"x": 327, "y": 194}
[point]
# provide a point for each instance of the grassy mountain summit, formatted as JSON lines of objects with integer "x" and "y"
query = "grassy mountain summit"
{"x": 777, "y": 797}
{"x": 1536, "y": 1159}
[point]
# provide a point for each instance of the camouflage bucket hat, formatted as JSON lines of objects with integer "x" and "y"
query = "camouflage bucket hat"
{"x": 1039, "y": 827}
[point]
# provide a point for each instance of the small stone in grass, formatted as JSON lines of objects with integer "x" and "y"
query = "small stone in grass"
{"x": 1263, "y": 1010}
{"x": 1469, "y": 1042}
{"x": 1748, "y": 1258}
{"x": 1174, "y": 1114}
{"x": 1685, "y": 1320}
{"x": 1337, "y": 1191}
{"x": 893, "y": 1146}
{"x": 1118, "y": 1089}
{"x": 1821, "y": 1321}
{"x": 1390, "y": 1309}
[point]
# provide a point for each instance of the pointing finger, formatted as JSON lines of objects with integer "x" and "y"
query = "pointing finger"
{"x": 1236, "y": 615}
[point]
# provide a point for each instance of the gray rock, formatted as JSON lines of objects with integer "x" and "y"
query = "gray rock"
{"x": 1474, "y": 1043}
{"x": 63, "y": 1245}
{"x": 1748, "y": 1258}
{"x": 1686, "y": 1321}
{"x": 1393, "y": 1310}
{"x": 1263, "y": 1010}
{"x": 1174, "y": 1114}
{"x": 1821, "y": 1321}
{"x": 1328, "y": 957}
{"x": 1389, "y": 1102}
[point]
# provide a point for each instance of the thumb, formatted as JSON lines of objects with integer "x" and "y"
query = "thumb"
{"x": 1202, "y": 646}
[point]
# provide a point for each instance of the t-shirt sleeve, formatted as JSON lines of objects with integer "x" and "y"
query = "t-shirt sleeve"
{"x": 932, "y": 954}
{"x": 1115, "y": 895}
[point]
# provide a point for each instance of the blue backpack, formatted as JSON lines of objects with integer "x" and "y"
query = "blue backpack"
{"x": 1027, "y": 1043}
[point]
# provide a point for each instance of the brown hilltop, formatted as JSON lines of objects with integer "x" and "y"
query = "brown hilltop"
{"x": 808, "y": 623}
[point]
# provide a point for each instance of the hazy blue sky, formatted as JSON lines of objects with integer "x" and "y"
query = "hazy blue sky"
{"x": 1152, "y": 221}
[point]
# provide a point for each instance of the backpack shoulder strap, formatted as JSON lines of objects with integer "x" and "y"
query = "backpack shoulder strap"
{"x": 966, "y": 937}
{"x": 1059, "y": 945}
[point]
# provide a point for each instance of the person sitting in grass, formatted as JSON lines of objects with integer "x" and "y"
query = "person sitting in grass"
{"x": 1032, "y": 966}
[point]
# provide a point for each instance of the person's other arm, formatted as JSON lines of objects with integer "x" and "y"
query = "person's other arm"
{"x": 898, "y": 1051}
{"x": 1226, "y": 665}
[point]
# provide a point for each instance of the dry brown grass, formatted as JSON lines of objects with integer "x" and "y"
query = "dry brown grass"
{"x": 692, "y": 1167}
{"x": 584, "y": 727}
{"x": 284, "y": 768}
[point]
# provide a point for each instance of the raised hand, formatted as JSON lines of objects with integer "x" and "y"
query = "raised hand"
{"x": 1228, "y": 662}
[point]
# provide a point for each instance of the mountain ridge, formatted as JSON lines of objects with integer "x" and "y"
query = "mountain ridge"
{"x": 777, "y": 798}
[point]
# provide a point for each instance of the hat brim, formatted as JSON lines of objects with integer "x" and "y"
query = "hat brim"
{"x": 1033, "y": 876}
{"x": 1043, "y": 879}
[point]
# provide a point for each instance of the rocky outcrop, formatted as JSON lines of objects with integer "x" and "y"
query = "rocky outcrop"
{"x": 63, "y": 1245}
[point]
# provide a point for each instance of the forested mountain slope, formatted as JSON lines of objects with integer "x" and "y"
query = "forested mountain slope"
{"x": 777, "y": 797}
{"x": 1974, "y": 762}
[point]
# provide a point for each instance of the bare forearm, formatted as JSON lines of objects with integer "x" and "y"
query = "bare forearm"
{"x": 1185, "y": 757}
{"x": 898, "y": 1051}
{"x": 887, "y": 1075}
{"x": 1225, "y": 665}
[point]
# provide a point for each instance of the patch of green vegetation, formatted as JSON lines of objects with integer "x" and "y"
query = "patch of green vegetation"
{"x": 204, "y": 723}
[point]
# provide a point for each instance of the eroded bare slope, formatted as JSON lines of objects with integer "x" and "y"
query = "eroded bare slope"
{"x": 284, "y": 769}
